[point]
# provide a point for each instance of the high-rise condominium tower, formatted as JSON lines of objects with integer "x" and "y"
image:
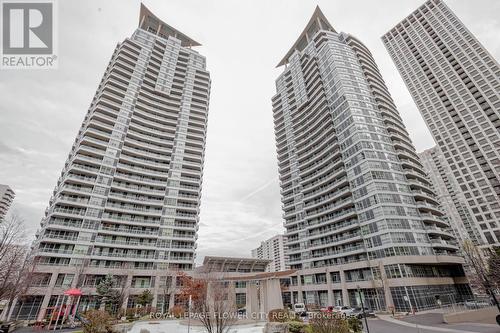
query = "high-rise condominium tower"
{"x": 455, "y": 83}
{"x": 451, "y": 199}
{"x": 358, "y": 207}
{"x": 6, "y": 198}
{"x": 127, "y": 201}
{"x": 273, "y": 249}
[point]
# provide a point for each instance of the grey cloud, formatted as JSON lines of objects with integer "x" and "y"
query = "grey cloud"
{"x": 6, "y": 149}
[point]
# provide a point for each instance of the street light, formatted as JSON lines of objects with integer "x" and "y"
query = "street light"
{"x": 189, "y": 313}
{"x": 363, "y": 309}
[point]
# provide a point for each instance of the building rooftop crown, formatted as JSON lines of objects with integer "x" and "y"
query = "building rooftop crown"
{"x": 6, "y": 188}
{"x": 317, "y": 22}
{"x": 150, "y": 22}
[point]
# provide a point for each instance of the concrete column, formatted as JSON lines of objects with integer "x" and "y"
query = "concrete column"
{"x": 385, "y": 284}
{"x": 46, "y": 297}
{"x": 329, "y": 287}
{"x": 75, "y": 279}
{"x": 343, "y": 285}
{"x": 171, "y": 302}
{"x": 6, "y": 316}
{"x": 128, "y": 284}
{"x": 272, "y": 295}
{"x": 210, "y": 297}
{"x": 299, "y": 290}
{"x": 262, "y": 296}
{"x": 232, "y": 293}
{"x": 155, "y": 291}
{"x": 252, "y": 301}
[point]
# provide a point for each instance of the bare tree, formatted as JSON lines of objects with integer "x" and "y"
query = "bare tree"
{"x": 123, "y": 291}
{"x": 166, "y": 290}
{"x": 12, "y": 233}
{"x": 379, "y": 280}
{"x": 211, "y": 303}
{"x": 80, "y": 273}
{"x": 16, "y": 262}
{"x": 494, "y": 267}
{"x": 484, "y": 272}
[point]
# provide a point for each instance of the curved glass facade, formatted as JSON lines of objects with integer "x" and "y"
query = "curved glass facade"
{"x": 354, "y": 192}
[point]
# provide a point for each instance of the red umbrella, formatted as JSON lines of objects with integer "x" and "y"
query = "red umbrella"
{"x": 73, "y": 292}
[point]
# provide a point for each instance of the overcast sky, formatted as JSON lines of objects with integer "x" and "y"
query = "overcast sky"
{"x": 41, "y": 111}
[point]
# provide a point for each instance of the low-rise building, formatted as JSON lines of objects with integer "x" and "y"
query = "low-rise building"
{"x": 251, "y": 287}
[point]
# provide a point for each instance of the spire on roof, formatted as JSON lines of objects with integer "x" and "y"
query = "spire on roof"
{"x": 150, "y": 22}
{"x": 317, "y": 22}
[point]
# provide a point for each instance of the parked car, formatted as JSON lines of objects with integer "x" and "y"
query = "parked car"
{"x": 327, "y": 309}
{"x": 358, "y": 313}
{"x": 343, "y": 310}
{"x": 300, "y": 309}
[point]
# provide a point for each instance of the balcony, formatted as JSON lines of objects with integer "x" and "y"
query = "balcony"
{"x": 56, "y": 221}
{"x": 56, "y": 251}
{"x": 133, "y": 208}
{"x": 144, "y": 189}
{"x": 184, "y": 236}
{"x": 343, "y": 251}
{"x": 129, "y": 219}
{"x": 334, "y": 241}
{"x": 124, "y": 255}
{"x": 143, "y": 179}
{"x": 444, "y": 243}
{"x": 138, "y": 198}
{"x": 142, "y": 152}
{"x": 83, "y": 167}
{"x": 428, "y": 207}
{"x": 143, "y": 170}
{"x": 79, "y": 212}
{"x": 184, "y": 259}
{"x": 86, "y": 158}
{"x": 82, "y": 201}
{"x": 61, "y": 237}
{"x": 136, "y": 243}
{"x": 146, "y": 162}
{"x": 150, "y": 233}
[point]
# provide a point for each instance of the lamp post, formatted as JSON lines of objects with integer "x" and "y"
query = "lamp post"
{"x": 412, "y": 309}
{"x": 189, "y": 313}
{"x": 363, "y": 310}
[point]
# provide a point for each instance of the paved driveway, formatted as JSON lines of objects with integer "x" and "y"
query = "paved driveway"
{"x": 382, "y": 326}
{"x": 431, "y": 323}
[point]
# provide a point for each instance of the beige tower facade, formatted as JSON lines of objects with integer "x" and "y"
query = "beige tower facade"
{"x": 451, "y": 199}
{"x": 455, "y": 84}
